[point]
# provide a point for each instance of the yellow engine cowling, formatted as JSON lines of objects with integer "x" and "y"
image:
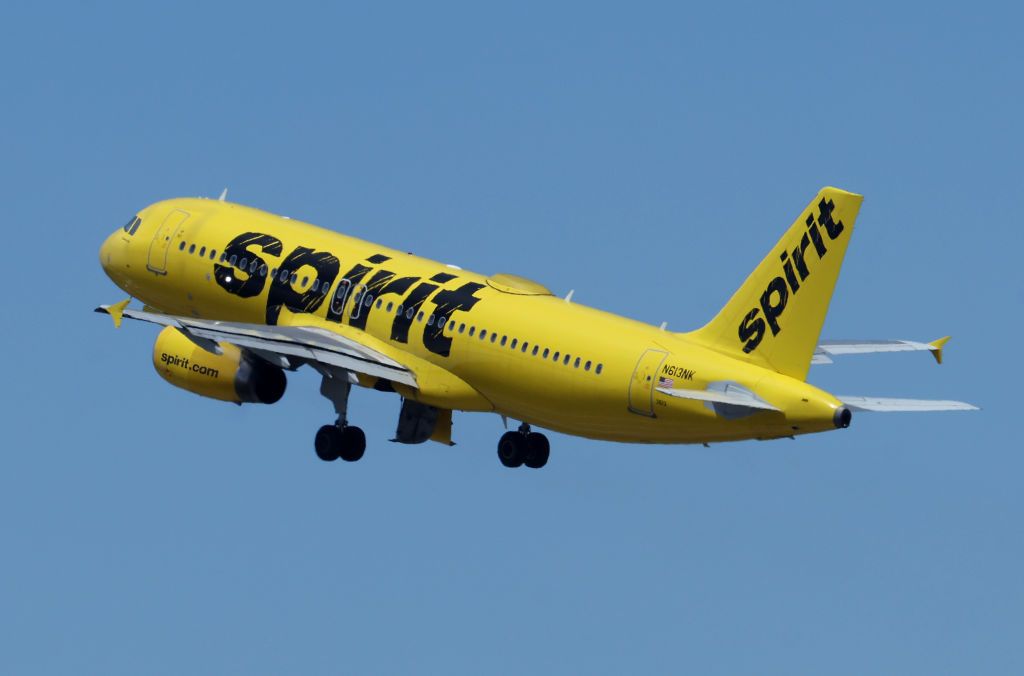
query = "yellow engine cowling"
{"x": 229, "y": 376}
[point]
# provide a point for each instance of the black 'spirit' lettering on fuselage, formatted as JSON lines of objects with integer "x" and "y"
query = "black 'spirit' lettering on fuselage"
{"x": 246, "y": 283}
{"x": 447, "y": 302}
{"x": 283, "y": 293}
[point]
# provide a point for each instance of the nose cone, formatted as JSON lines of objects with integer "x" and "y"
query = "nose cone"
{"x": 107, "y": 250}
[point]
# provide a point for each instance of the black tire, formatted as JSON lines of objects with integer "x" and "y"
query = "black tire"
{"x": 328, "y": 443}
{"x": 538, "y": 450}
{"x": 512, "y": 449}
{"x": 353, "y": 444}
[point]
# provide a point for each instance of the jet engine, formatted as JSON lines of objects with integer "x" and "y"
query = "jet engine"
{"x": 232, "y": 375}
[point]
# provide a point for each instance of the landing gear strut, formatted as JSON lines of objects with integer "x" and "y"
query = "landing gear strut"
{"x": 523, "y": 447}
{"x": 339, "y": 440}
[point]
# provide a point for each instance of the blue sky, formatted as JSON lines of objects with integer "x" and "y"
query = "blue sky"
{"x": 644, "y": 155}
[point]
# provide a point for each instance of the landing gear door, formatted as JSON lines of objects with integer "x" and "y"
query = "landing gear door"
{"x": 161, "y": 243}
{"x": 641, "y": 385}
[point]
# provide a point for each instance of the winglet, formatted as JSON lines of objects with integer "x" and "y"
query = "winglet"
{"x": 936, "y": 347}
{"x": 116, "y": 311}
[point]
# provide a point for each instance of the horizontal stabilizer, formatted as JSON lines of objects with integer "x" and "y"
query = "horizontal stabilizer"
{"x": 730, "y": 394}
{"x": 832, "y": 348}
{"x": 883, "y": 405}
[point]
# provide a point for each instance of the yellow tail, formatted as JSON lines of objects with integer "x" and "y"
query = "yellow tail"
{"x": 775, "y": 318}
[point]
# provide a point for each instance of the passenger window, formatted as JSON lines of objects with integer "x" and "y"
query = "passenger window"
{"x": 534, "y": 353}
{"x": 555, "y": 357}
{"x": 513, "y": 344}
{"x": 525, "y": 345}
{"x": 304, "y": 280}
{"x": 263, "y": 271}
{"x": 586, "y": 367}
{"x": 181, "y": 247}
{"x": 213, "y": 254}
{"x": 472, "y": 330}
{"x": 192, "y": 249}
{"x": 483, "y": 333}
{"x": 223, "y": 258}
{"x": 399, "y": 310}
{"x": 295, "y": 277}
{"x": 202, "y": 252}
{"x": 233, "y": 260}
{"x": 369, "y": 300}
{"x": 576, "y": 364}
{"x": 390, "y": 305}
{"x": 440, "y": 322}
{"x": 254, "y": 266}
{"x": 284, "y": 276}
{"x": 462, "y": 327}
{"x": 566, "y": 360}
{"x": 419, "y": 317}
{"x": 503, "y": 340}
{"x": 244, "y": 263}
{"x": 598, "y": 369}
{"x": 430, "y": 320}
{"x": 546, "y": 352}
{"x": 316, "y": 285}
{"x": 410, "y": 312}
{"x": 379, "y": 303}
{"x": 494, "y": 337}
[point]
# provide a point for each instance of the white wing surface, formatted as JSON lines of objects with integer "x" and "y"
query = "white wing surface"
{"x": 304, "y": 343}
{"x": 885, "y": 405}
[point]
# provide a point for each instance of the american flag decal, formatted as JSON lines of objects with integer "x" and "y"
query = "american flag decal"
{"x": 665, "y": 382}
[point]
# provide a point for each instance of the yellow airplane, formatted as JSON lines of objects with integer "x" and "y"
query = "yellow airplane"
{"x": 245, "y": 295}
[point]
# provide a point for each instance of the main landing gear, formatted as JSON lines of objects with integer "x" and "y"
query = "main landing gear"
{"x": 523, "y": 447}
{"x": 339, "y": 440}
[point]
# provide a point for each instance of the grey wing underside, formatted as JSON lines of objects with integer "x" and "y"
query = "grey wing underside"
{"x": 282, "y": 345}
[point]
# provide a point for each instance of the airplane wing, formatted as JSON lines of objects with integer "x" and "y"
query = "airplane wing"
{"x": 831, "y": 348}
{"x": 883, "y": 405}
{"x": 278, "y": 344}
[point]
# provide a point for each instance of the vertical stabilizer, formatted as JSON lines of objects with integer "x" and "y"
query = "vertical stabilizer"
{"x": 775, "y": 317}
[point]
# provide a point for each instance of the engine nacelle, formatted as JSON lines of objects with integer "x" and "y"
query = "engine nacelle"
{"x": 230, "y": 376}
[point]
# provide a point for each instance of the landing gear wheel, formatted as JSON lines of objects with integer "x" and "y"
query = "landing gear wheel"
{"x": 328, "y": 443}
{"x": 512, "y": 449}
{"x": 353, "y": 444}
{"x": 537, "y": 450}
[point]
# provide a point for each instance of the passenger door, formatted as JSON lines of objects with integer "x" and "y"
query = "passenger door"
{"x": 641, "y": 386}
{"x": 162, "y": 238}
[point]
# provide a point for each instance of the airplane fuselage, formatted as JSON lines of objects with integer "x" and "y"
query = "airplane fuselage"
{"x": 520, "y": 351}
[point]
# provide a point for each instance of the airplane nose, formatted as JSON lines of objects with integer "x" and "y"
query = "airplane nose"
{"x": 107, "y": 253}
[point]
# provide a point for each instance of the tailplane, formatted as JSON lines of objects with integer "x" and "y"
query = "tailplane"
{"x": 775, "y": 317}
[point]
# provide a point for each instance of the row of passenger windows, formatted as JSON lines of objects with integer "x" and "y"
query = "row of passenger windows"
{"x": 364, "y": 299}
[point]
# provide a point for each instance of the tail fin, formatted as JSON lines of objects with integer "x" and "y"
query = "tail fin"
{"x": 775, "y": 318}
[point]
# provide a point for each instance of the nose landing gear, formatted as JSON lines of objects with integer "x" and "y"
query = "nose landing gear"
{"x": 523, "y": 447}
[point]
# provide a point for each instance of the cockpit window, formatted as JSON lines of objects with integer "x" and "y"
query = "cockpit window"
{"x": 132, "y": 226}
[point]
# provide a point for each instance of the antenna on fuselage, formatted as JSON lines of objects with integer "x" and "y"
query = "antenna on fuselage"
{"x": 223, "y": 195}
{"x": 568, "y": 296}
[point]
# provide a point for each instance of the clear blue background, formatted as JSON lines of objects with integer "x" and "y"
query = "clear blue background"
{"x": 646, "y": 156}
